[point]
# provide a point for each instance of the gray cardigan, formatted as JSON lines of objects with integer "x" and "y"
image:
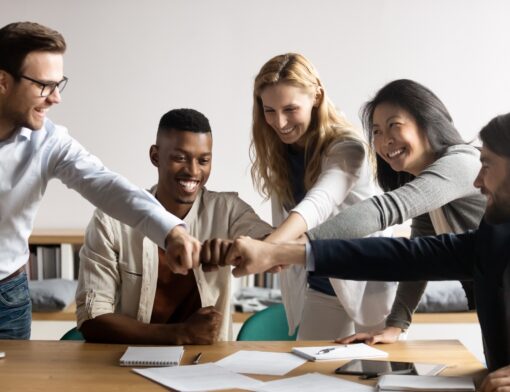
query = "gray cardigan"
{"x": 447, "y": 184}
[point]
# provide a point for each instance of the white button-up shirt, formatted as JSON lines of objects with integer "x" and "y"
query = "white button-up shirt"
{"x": 29, "y": 159}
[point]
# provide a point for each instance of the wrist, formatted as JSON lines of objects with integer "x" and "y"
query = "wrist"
{"x": 175, "y": 334}
{"x": 291, "y": 254}
{"x": 176, "y": 231}
{"x": 399, "y": 332}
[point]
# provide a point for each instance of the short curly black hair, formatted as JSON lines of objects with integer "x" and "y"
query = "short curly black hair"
{"x": 184, "y": 120}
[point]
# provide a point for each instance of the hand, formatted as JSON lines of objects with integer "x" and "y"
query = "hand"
{"x": 387, "y": 335}
{"x": 278, "y": 268}
{"x": 213, "y": 253}
{"x": 202, "y": 327}
{"x": 498, "y": 380}
{"x": 250, "y": 256}
{"x": 182, "y": 251}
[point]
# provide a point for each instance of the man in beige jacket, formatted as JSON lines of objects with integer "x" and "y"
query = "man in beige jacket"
{"x": 126, "y": 293}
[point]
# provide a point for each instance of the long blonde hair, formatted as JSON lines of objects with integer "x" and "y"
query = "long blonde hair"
{"x": 269, "y": 170}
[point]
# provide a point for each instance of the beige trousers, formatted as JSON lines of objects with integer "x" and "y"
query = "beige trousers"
{"x": 324, "y": 318}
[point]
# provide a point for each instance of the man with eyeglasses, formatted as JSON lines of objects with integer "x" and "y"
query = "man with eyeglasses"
{"x": 34, "y": 150}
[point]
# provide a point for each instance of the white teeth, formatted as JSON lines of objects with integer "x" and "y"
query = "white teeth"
{"x": 189, "y": 186}
{"x": 395, "y": 153}
{"x": 286, "y": 131}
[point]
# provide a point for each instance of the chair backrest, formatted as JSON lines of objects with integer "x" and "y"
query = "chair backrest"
{"x": 268, "y": 324}
{"x": 73, "y": 334}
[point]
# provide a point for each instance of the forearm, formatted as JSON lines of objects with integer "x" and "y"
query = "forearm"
{"x": 406, "y": 301}
{"x": 112, "y": 193}
{"x": 291, "y": 229}
{"x": 389, "y": 259}
{"x": 357, "y": 221}
{"x": 117, "y": 328}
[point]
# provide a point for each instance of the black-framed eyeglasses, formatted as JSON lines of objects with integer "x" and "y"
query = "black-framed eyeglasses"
{"x": 48, "y": 88}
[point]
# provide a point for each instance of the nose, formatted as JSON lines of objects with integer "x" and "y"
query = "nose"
{"x": 281, "y": 121}
{"x": 388, "y": 138}
{"x": 193, "y": 168}
{"x": 55, "y": 97}
{"x": 478, "y": 183}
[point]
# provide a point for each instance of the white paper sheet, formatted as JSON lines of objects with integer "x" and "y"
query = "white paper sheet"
{"x": 314, "y": 382}
{"x": 261, "y": 362}
{"x": 394, "y": 382}
{"x": 205, "y": 377}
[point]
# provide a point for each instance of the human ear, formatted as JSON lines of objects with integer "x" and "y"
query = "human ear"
{"x": 3, "y": 81}
{"x": 318, "y": 97}
{"x": 154, "y": 155}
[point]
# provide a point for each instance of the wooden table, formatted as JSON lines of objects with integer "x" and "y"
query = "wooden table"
{"x": 53, "y": 366}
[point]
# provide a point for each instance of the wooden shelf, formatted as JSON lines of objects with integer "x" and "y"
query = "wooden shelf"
{"x": 422, "y": 318}
{"x": 67, "y": 314}
{"x": 448, "y": 317}
{"x": 57, "y": 236}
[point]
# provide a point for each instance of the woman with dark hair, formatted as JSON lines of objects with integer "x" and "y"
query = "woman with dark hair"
{"x": 427, "y": 172}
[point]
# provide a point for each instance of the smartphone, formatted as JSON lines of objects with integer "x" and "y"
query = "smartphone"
{"x": 371, "y": 369}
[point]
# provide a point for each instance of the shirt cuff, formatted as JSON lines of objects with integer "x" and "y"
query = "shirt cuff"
{"x": 310, "y": 258}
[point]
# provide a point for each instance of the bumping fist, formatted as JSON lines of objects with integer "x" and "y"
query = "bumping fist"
{"x": 213, "y": 253}
{"x": 182, "y": 251}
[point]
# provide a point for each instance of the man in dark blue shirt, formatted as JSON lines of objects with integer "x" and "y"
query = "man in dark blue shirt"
{"x": 482, "y": 255}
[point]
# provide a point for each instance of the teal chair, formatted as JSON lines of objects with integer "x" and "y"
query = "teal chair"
{"x": 268, "y": 324}
{"x": 73, "y": 334}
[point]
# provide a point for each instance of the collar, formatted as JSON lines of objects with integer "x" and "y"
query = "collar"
{"x": 193, "y": 212}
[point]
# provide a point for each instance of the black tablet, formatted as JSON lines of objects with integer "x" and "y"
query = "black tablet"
{"x": 371, "y": 368}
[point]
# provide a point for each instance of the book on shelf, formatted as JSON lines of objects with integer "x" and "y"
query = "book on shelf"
{"x": 57, "y": 261}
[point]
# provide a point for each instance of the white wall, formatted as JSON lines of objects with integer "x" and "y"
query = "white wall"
{"x": 130, "y": 61}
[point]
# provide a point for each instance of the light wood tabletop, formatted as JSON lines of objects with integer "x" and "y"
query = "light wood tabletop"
{"x": 54, "y": 366}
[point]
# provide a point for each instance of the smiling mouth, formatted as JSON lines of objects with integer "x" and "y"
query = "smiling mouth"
{"x": 395, "y": 153}
{"x": 41, "y": 111}
{"x": 189, "y": 186}
{"x": 286, "y": 131}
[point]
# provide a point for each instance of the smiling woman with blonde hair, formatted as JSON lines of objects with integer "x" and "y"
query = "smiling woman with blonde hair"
{"x": 312, "y": 163}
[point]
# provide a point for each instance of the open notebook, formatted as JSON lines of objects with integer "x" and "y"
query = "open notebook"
{"x": 152, "y": 356}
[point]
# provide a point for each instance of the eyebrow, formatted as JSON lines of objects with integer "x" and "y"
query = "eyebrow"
{"x": 387, "y": 120}
{"x": 285, "y": 107}
{"x": 187, "y": 152}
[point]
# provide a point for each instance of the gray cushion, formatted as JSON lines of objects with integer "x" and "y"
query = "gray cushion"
{"x": 443, "y": 296}
{"x": 51, "y": 294}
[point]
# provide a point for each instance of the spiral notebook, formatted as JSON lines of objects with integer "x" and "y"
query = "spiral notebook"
{"x": 152, "y": 356}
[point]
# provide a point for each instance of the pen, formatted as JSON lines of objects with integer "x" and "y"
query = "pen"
{"x": 375, "y": 375}
{"x": 197, "y": 359}
{"x": 328, "y": 349}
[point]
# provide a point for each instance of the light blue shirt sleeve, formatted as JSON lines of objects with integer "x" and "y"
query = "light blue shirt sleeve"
{"x": 30, "y": 159}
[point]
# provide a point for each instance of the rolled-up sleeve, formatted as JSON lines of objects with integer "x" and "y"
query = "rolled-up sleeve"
{"x": 99, "y": 277}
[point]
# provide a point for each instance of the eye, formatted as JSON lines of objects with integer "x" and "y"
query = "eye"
{"x": 292, "y": 109}
{"x": 376, "y": 132}
{"x": 179, "y": 158}
{"x": 204, "y": 161}
{"x": 267, "y": 110}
